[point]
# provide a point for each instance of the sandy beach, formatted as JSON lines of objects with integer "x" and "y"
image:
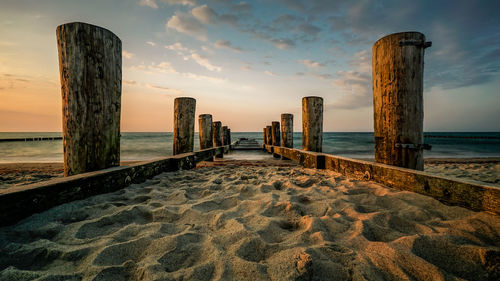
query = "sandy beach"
{"x": 253, "y": 222}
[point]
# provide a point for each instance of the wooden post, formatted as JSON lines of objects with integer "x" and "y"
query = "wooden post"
{"x": 287, "y": 130}
{"x": 269, "y": 135}
{"x": 184, "y": 109}
{"x": 229, "y": 136}
{"x": 398, "y": 67}
{"x": 217, "y": 136}
{"x": 205, "y": 131}
{"x": 275, "y": 128}
{"x": 90, "y": 67}
{"x": 312, "y": 124}
{"x": 224, "y": 135}
{"x": 264, "y": 136}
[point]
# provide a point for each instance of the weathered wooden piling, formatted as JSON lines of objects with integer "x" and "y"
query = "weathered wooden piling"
{"x": 398, "y": 67}
{"x": 225, "y": 137}
{"x": 264, "y": 138}
{"x": 287, "y": 130}
{"x": 269, "y": 135}
{"x": 312, "y": 124}
{"x": 205, "y": 131}
{"x": 276, "y": 137}
{"x": 90, "y": 66}
{"x": 184, "y": 109}
{"x": 228, "y": 136}
{"x": 217, "y": 136}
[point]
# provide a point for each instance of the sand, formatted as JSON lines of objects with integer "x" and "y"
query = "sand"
{"x": 253, "y": 222}
{"x": 478, "y": 169}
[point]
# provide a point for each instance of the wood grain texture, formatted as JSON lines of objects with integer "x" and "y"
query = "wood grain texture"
{"x": 269, "y": 135}
{"x": 225, "y": 136}
{"x": 312, "y": 124}
{"x": 205, "y": 131}
{"x": 90, "y": 64}
{"x": 287, "y": 130}
{"x": 275, "y": 133}
{"x": 264, "y": 138}
{"x": 184, "y": 110}
{"x": 398, "y": 99}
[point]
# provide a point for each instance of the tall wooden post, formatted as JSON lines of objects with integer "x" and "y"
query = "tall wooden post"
{"x": 312, "y": 124}
{"x": 287, "y": 130}
{"x": 217, "y": 136}
{"x": 225, "y": 139}
{"x": 275, "y": 128}
{"x": 264, "y": 141}
{"x": 229, "y": 136}
{"x": 184, "y": 109}
{"x": 269, "y": 135}
{"x": 205, "y": 131}
{"x": 90, "y": 66}
{"x": 398, "y": 68}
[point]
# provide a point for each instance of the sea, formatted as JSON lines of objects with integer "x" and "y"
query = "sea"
{"x": 146, "y": 146}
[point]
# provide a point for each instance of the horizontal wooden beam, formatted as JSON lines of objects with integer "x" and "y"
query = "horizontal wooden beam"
{"x": 22, "y": 201}
{"x": 472, "y": 195}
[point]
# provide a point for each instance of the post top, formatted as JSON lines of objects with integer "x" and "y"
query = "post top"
{"x": 275, "y": 122}
{"x": 312, "y": 97}
{"x": 224, "y": 127}
{"x": 84, "y": 24}
{"x": 406, "y": 34}
{"x": 206, "y": 115}
{"x": 185, "y": 98}
{"x": 217, "y": 122}
{"x": 286, "y": 115}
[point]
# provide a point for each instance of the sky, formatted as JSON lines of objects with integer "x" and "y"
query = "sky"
{"x": 246, "y": 62}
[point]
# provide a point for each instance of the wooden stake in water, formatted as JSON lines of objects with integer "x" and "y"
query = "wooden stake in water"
{"x": 217, "y": 136}
{"x": 269, "y": 135}
{"x": 184, "y": 109}
{"x": 312, "y": 124}
{"x": 287, "y": 130}
{"x": 90, "y": 66}
{"x": 205, "y": 131}
{"x": 276, "y": 137}
{"x": 224, "y": 135}
{"x": 398, "y": 68}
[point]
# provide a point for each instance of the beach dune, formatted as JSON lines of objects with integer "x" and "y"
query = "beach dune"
{"x": 260, "y": 222}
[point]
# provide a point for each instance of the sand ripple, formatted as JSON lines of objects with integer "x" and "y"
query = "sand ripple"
{"x": 253, "y": 223}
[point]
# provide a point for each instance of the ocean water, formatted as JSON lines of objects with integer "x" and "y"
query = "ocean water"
{"x": 145, "y": 146}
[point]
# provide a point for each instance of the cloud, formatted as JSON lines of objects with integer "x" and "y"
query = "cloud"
{"x": 152, "y": 3}
{"x": 129, "y": 82}
{"x": 204, "y": 14}
{"x": 205, "y": 62}
{"x": 282, "y": 43}
{"x": 149, "y": 3}
{"x": 166, "y": 67}
{"x": 177, "y": 47}
{"x": 227, "y": 45}
{"x": 242, "y": 7}
{"x": 270, "y": 73}
{"x": 171, "y": 91}
{"x": 311, "y": 63}
{"x": 162, "y": 67}
{"x": 127, "y": 55}
{"x": 151, "y": 43}
{"x": 186, "y": 23}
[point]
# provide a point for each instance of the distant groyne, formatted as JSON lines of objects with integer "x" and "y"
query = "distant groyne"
{"x": 32, "y": 139}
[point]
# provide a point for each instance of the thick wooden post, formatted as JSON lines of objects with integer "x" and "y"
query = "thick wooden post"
{"x": 275, "y": 128}
{"x": 269, "y": 135}
{"x": 312, "y": 124}
{"x": 184, "y": 109}
{"x": 225, "y": 139}
{"x": 217, "y": 136}
{"x": 229, "y": 136}
{"x": 398, "y": 68}
{"x": 287, "y": 130}
{"x": 205, "y": 131}
{"x": 90, "y": 66}
{"x": 264, "y": 141}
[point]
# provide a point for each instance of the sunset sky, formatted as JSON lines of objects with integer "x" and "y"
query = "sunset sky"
{"x": 248, "y": 62}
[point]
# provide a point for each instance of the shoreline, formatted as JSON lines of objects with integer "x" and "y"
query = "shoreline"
{"x": 483, "y": 169}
